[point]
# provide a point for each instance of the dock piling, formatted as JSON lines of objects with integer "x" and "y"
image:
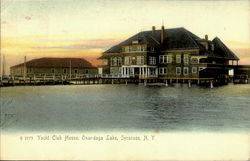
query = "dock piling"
{"x": 211, "y": 84}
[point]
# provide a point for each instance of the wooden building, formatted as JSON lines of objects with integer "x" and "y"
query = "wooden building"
{"x": 241, "y": 73}
{"x": 54, "y": 66}
{"x": 169, "y": 53}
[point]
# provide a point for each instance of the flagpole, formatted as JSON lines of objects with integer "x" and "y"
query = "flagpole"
{"x": 1, "y": 67}
{"x": 24, "y": 68}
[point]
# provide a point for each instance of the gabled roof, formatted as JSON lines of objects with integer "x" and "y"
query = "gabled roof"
{"x": 179, "y": 38}
{"x": 142, "y": 36}
{"x": 175, "y": 38}
{"x": 57, "y": 63}
{"x": 221, "y": 50}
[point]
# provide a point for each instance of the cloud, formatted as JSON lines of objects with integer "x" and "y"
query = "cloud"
{"x": 238, "y": 44}
{"x": 83, "y": 44}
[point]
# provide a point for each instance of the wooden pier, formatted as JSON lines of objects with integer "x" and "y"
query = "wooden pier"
{"x": 108, "y": 79}
{"x": 54, "y": 80}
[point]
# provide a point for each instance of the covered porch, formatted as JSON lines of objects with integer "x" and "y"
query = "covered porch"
{"x": 143, "y": 71}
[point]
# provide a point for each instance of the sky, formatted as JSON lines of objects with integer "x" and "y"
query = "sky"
{"x": 86, "y": 28}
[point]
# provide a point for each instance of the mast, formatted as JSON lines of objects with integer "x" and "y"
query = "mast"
{"x": 4, "y": 65}
{"x": 70, "y": 69}
{"x": 1, "y": 70}
{"x": 24, "y": 68}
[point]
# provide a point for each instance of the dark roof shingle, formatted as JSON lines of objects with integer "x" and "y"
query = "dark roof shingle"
{"x": 176, "y": 39}
{"x": 57, "y": 63}
{"x": 221, "y": 50}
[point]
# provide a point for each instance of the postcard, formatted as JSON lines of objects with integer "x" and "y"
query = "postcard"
{"x": 125, "y": 80}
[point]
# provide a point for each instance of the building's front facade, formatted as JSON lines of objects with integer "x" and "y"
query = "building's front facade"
{"x": 168, "y": 53}
{"x": 54, "y": 67}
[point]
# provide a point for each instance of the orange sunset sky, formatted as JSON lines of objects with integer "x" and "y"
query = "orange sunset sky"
{"x": 86, "y": 28}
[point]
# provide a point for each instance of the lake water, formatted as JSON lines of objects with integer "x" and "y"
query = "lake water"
{"x": 125, "y": 108}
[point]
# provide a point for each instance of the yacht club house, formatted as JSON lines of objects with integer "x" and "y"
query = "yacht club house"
{"x": 169, "y": 53}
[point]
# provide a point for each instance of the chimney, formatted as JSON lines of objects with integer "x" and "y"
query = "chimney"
{"x": 162, "y": 33}
{"x": 153, "y": 30}
{"x": 206, "y": 37}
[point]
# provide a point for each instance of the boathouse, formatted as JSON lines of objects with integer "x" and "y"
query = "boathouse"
{"x": 169, "y": 54}
{"x": 54, "y": 66}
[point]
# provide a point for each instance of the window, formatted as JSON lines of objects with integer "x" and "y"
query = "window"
{"x": 52, "y": 70}
{"x": 140, "y": 60}
{"x": 64, "y": 71}
{"x": 185, "y": 70}
{"x": 169, "y": 58}
{"x": 76, "y": 71}
{"x": 29, "y": 70}
{"x": 162, "y": 70}
{"x": 178, "y": 70}
{"x": 142, "y": 48}
{"x": 126, "y": 49}
{"x": 206, "y": 46}
{"x": 160, "y": 59}
{"x": 152, "y": 60}
{"x": 186, "y": 60}
{"x": 87, "y": 71}
{"x": 133, "y": 48}
{"x": 119, "y": 61}
{"x": 128, "y": 60}
{"x": 116, "y": 61}
{"x": 194, "y": 60}
{"x": 163, "y": 59}
{"x": 194, "y": 69}
{"x": 178, "y": 58}
{"x": 135, "y": 42}
{"x": 105, "y": 62}
{"x": 152, "y": 49}
{"x": 212, "y": 47}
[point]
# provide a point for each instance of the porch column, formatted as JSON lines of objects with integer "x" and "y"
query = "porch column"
{"x": 139, "y": 71}
{"x": 148, "y": 72}
{"x": 156, "y": 71}
{"x": 143, "y": 71}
